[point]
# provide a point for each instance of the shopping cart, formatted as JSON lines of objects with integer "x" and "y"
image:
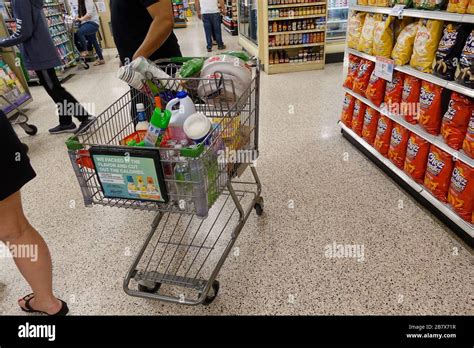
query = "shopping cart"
{"x": 186, "y": 247}
{"x": 72, "y": 26}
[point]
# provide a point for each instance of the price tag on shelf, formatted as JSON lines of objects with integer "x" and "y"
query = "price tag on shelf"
{"x": 397, "y": 11}
{"x": 384, "y": 68}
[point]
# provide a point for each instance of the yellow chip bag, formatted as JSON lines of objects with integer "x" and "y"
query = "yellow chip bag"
{"x": 354, "y": 28}
{"x": 470, "y": 7}
{"x": 362, "y": 2}
{"x": 400, "y": 24}
{"x": 403, "y": 49}
{"x": 383, "y": 3}
{"x": 372, "y": 2}
{"x": 383, "y": 36}
{"x": 457, "y": 6}
{"x": 426, "y": 43}
{"x": 367, "y": 36}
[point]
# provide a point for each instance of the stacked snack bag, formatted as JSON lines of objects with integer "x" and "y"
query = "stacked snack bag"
{"x": 416, "y": 157}
{"x": 438, "y": 173}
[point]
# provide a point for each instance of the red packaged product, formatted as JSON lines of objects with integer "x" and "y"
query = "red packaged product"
{"x": 354, "y": 62}
{"x": 347, "y": 110}
{"x": 376, "y": 89}
{"x": 384, "y": 133}
{"x": 393, "y": 92}
{"x": 461, "y": 190}
{"x": 398, "y": 145}
{"x": 416, "y": 157}
{"x": 431, "y": 107}
{"x": 369, "y": 130}
{"x": 468, "y": 144}
{"x": 362, "y": 78}
{"x": 438, "y": 173}
{"x": 456, "y": 119}
{"x": 358, "y": 117}
{"x": 410, "y": 99}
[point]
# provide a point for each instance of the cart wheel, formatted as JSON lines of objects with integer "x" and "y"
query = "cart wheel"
{"x": 212, "y": 294}
{"x": 259, "y": 207}
{"x": 151, "y": 290}
{"x": 30, "y": 129}
{"x": 86, "y": 66}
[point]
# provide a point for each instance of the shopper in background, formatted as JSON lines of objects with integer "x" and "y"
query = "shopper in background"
{"x": 208, "y": 11}
{"x": 89, "y": 18}
{"x": 41, "y": 55}
{"x": 144, "y": 28}
{"x": 17, "y": 233}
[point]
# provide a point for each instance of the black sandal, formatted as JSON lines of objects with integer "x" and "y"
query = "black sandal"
{"x": 62, "y": 312}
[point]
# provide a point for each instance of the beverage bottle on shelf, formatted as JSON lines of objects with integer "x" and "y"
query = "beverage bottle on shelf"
{"x": 280, "y": 27}
{"x": 143, "y": 123}
{"x": 294, "y": 26}
{"x": 275, "y": 26}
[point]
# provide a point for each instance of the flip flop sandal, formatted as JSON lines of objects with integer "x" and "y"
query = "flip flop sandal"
{"x": 62, "y": 312}
{"x": 99, "y": 63}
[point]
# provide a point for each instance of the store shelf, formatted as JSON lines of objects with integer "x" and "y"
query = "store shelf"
{"x": 421, "y": 75}
{"x": 295, "y": 17}
{"x": 419, "y": 189}
{"x": 53, "y": 14}
{"x": 297, "y": 31}
{"x": 291, "y": 67}
{"x": 297, "y": 46}
{"x": 435, "y": 140}
{"x": 297, "y": 5}
{"x": 336, "y": 21}
{"x": 337, "y": 8}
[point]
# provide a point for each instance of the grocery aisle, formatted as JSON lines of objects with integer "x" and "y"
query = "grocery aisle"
{"x": 318, "y": 190}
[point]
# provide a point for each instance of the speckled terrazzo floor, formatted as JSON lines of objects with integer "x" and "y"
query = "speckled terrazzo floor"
{"x": 412, "y": 263}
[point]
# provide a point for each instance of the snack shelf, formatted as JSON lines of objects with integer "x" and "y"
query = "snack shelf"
{"x": 435, "y": 140}
{"x": 292, "y": 67}
{"x": 297, "y": 5}
{"x": 296, "y": 17}
{"x": 296, "y": 46}
{"x": 419, "y": 189}
{"x": 441, "y": 15}
{"x": 297, "y": 31}
{"x": 421, "y": 75}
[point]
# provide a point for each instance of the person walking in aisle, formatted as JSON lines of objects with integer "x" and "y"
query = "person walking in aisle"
{"x": 40, "y": 54}
{"x": 144, "y": 28}
{"x": 208, "y": 11}
{"x": 17, "y": 233}
{"x": 89, "y": 18}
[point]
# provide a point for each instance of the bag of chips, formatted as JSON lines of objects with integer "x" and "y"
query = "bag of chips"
{"x": 468, "y": 143}
{"x": 355, "y": 24}
{"x": 457, "y": 6}
{"x": 409, "y": 106}
{"x": 376, "y": 89}
{"x": 383, "y": 36}
{"x": 383, "y": 3}
{"x": 372, "y": 2}
{"x": 398, "y": 145}
{"x": 403, "y": 49}
{"x": 461, "y": 190}
{"x": 416, "y": 158}
{"x": 394, "y": 91}
{"x": 438, "y": 173}
{"x": 362, "y": 78}
{"x": 449, "y": 50}
{"x": 426, "y": 42}
{"x": 407, "y": 3}
{"x": 366, "y": 40}
{"x": 401, "y": 23}
{"x": 429, "y": 4}
{"x": 347, "y": 110}
{"x": 354, "y": 62}
{"x": 432, "y": 104}
{"x": 465, "y": 69}
{"x": 369, "y": 130}
{"x": 470, "y": 7}
{"x": 384, "y": 134}
{"x": 456, "y": 119}
{"x": 358, "y": 117}
{"x": 362, "y": 2}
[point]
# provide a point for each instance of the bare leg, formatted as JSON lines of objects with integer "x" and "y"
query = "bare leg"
{"x": 16, "y": 230}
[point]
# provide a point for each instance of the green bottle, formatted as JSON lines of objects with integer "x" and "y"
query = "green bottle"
{"x": 158, "y": 124}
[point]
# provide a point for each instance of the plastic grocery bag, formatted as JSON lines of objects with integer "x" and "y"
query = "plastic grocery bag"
{"x": 398, "y": 145}
{"x": 426, "y": 43}
{"x": 465, "y": 69}
{"x": 384, "y": 134}
{"x": 369, "y": 129}
{"x": 458, "y": 6}
{"x": 409, "y": 107}
{"x": 358, "y": 117}
{"x": 461, "y": 190}
{"x": 355, "y": 24}
{"x": 383, "y": 36}
{"x": 366, "y": 40}
{"x": 403, "y": 49}
{"x": 416, "y": 157}
{"x": 456, "y": 120}
{"x": 468, "y": 144}
{"x": 347, "y": 110}
{"x": 438, "y": 173}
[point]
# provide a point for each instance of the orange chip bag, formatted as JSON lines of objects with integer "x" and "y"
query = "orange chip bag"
{"x": 410, "y": 99}
{"x": 394, "y": 91}
{"x": 375, "y": 89}
{"x": 362, "y": 78}
{"x": 369, "y": 129}
{"x": 456, "y": 119}
{"x": 457, "y": 6}
{"x": 416, "y": 158}
{"x": 384, "y": 133}
{"x": 347, "y": 110}
{"x": 461, "y": 190}
{"x": 398, "y": 145}
{"x": 431, "y": 107}
{"x": 438, "y": 173}
{"x": 468, "y": 144}
{"x": 358, "y": 117}
{"x": 354, "y": 62}
{"x": 470, "y": 10}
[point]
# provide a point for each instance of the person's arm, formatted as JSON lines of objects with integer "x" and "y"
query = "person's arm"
{"x": 24, "y": 25}
{"x": 223, "y": 9}
{"x": 197, "y": 6}
{"x": 160, "y": 29}
{"x": 90, "y": 8}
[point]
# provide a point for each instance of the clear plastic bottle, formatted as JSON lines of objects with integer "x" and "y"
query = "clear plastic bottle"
{"x": 184, "y": 187}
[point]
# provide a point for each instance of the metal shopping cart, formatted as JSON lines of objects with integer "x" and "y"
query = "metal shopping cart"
{"x": 186, "y": 247}
{"x": 72, "y": 26}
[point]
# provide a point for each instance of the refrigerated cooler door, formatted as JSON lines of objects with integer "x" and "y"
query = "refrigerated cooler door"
{"x": 338, "y": 11}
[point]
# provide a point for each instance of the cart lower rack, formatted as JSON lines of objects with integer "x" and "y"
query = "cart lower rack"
{"x": 195, "y": 228}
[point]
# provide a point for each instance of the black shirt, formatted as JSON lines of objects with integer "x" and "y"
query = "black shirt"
{"x": 130, "y": 24}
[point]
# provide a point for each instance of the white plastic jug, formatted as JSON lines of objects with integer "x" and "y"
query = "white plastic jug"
{"x": 185, "y": 109}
